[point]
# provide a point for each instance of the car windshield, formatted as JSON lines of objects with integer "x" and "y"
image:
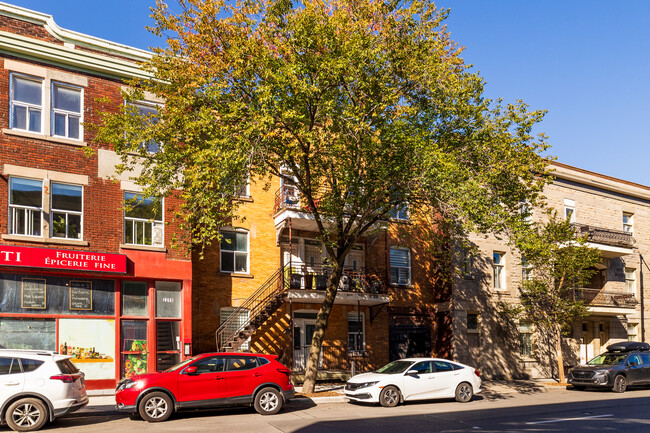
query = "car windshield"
{"x": 608, "y": 359}
{"x": 180, "y": 365}
{"x": 395, "y": 367}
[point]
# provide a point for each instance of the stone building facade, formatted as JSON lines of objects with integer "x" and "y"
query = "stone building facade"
{"x": 614, "y": 214}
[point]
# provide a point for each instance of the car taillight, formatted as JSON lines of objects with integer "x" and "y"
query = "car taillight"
{"x": 284, "y": 371}
{"x": 65, "y": 378}
{"x": 476, "y": 372}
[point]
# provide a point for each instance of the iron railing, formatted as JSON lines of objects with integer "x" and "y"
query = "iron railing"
{"x": 243, "y": 317}
{"x": 599, "y": 235}
{"x": 363, "y": 280}
{"x": 601, "y": 298}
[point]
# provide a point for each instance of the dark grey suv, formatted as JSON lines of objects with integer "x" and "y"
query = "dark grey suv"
{"x": 624, "y": 364}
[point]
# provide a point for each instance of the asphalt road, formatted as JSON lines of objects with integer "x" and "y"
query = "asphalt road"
{"x": 557, "y": 410}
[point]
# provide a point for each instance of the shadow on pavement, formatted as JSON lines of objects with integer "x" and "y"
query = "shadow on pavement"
{"x": 616, "y": 415}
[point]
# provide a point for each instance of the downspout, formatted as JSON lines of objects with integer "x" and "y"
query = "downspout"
{"x": 641, "y": 296}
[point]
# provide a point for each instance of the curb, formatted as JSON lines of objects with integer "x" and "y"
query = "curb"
{"x": 332, "y": 399}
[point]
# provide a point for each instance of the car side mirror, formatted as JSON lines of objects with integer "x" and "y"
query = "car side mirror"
{"x": 190, "y": 370}
{"x": 412, "y": 373}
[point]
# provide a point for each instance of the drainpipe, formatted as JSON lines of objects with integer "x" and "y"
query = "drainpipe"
{"x": 641, "y": 296}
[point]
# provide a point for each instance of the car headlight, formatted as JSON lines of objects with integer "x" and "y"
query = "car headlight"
{"x": 127, "y": 384}
{"x": 366, "y": 384}
{"x": 603, "y": 371}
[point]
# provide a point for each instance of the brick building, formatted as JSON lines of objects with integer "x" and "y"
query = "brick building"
{"x": 78, "y": 272}
{"x": 614, "y": 214}
{"x": 262, "y": 291}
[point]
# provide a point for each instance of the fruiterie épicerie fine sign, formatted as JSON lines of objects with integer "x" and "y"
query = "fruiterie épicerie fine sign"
{"x": 61, "y": 259}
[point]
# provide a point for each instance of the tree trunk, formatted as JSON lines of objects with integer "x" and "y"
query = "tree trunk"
{"x": 319, "y": 332}
{"x": 558, "y": 348}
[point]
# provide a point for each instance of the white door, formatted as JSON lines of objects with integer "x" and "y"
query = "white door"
{"x": 421, "y": 385}
{"x": 446, "y": 379}
{"x": 303, "y": 332}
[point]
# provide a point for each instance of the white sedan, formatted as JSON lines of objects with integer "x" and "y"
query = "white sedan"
{"x": 415, "y": 379}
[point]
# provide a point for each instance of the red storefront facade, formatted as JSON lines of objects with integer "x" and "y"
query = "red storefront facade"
{"x": 115, "y": 323}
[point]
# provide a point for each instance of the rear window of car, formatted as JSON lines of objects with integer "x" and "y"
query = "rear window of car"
{"x": 443, "y": 366}
{"x": 9, "y": 366}
{"x": 30, "y": 364}
{"x": 242, "y": 363}
{"x": 66, "y": 366}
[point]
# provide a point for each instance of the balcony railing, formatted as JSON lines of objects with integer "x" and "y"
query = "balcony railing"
{"x": 601, "y": 298}
{"x": 287, "y": 197}
{"x": 599, "y": 235}
{"x": 361, "y": 280}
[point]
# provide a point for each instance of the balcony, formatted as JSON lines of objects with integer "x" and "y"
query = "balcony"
{"x": 288, "y": 205}
{"x": 611, "y": 243}
{"x": 606, "y": 302}
{"x": 357, "y": 286}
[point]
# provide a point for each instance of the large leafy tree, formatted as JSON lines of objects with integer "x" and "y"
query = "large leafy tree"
{"x": 559, "y": 262}
{"x": 363, "y": 105}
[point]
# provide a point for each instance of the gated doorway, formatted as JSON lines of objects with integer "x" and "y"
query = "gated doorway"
{"x": 409, "y": 341}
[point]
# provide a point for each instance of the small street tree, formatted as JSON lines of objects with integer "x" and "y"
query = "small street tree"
{"x": 361, "y": 105}
{"x": 558, "y": 263}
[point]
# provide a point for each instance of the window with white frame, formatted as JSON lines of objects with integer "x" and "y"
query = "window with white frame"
{"x": 143, "y": 220}
{"x": 66, "y": 111}
{"x": 244, "y": 190}
{"x": 356, "y": 332}
{"x": 149, "y": 111}
{"x": 628, "y": 222}
{"x": 25, "y": 206}
{"x": 66, "y": 210}
{"x": 630, "y": 280}
{"x": 525, "y": 338}
{"x": 234, "y": 251}
{"x": 570, "y": 210}
{"x": 26, "y": 99}
{"x": 400, "y": 266}
{"x": 498, "y": 270}
{"x": 400, "y": 212}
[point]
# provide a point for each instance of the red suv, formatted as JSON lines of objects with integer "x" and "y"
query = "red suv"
{"x": 206, "y": 381}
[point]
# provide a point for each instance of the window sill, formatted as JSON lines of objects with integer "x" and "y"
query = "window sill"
{"x": 142, "y": 248}
{"x": 50, "y": 138}
{"x": 244, "y": 198}
{"x": 401, "y": 286}
{"x": 237, "y": 275}
{"x": 42, "y": 240}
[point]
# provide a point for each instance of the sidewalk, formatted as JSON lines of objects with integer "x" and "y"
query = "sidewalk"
{"x": 334, "y": 393}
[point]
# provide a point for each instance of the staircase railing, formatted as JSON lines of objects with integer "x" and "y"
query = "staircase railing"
{"x": 253, "y": 306}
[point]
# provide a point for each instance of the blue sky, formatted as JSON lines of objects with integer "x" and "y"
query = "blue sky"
{"x": 585, "y": 61}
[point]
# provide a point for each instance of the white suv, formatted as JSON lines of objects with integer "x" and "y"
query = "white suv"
{"x": 37, "y": 386}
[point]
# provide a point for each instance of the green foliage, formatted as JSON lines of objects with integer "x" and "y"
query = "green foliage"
{"x": 363, "y": 105}
{"x": 559, "y": 261}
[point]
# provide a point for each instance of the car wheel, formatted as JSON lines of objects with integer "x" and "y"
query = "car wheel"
{"x": 26, "y": 414}
{"x": 464, "y": 392}
{"x": 620, "y": 383}
{"x": 155, "y": 407}
{"x": 268, "y": 401}
{"x": 389, "y": 396}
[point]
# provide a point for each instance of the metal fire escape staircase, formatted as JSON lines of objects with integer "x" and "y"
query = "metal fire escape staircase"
{"x": 252, "y": 313}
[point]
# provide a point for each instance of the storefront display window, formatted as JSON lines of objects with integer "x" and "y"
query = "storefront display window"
{"x": 134, "y": 347}
{"x": 36, "y": 294}
{"x": 168, "y": 299}
{"x": 134, "y": 298}
{"x": 38, "y": 334}
{"x": 91, "y": 343}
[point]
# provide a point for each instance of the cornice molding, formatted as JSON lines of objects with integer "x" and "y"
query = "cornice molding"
{"x": 103, "y": 62}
